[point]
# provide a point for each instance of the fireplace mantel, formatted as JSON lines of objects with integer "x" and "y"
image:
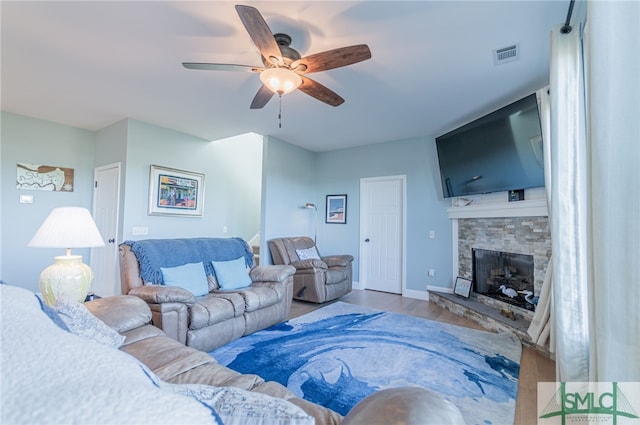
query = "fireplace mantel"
{"x": 526, "y": 208}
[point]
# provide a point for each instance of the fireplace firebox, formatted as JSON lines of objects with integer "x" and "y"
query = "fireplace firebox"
{"x": 505, "y": 276}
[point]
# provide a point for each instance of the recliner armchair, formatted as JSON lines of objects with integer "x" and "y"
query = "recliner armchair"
{"x": 317, "y": 279}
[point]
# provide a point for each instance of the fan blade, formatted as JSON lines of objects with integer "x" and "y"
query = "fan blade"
{"x": 261, "y": 98}
{"x": 221, "y": 67}
{"x": 331, "y": 59}
{"x": 320, "y": 92}
{"x": 260, "y": 33}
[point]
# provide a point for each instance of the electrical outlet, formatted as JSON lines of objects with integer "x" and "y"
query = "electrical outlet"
{"x": 224, "y": 229}
{"x": 432, "y": 234}
{"x": 431, "y": 273}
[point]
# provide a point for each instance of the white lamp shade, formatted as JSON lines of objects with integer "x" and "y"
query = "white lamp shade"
{"x": 68, "y": 278}
{"x": 68, "y": 227}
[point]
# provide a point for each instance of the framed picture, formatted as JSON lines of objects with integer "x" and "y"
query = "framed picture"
{"x": 336, "y": 209}
{"x": 44, "y": 177}
{"x": 175, "y": 192}
{"x": 462, "y": 287}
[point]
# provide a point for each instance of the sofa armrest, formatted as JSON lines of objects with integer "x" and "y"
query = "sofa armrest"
{"x": 309, "y": 264}
{"x": 338, "y": 260}
{"x": 122, "y": 313}
{"x": 158, "y": 294}
{"x": 271, "y": 273}
{"x": 172, "y": 318}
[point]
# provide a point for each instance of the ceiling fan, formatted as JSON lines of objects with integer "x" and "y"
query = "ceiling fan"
{"x": 284, "y": 69}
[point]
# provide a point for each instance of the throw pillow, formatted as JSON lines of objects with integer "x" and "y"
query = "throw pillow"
{"x": 308, "y": 254}
{"x": 52, "y": 314}
{"x": 232, "y": 274}
{"x": 235, "y": 406}
{"x": 190, "y": 276}
{"x": 81, "y": 322}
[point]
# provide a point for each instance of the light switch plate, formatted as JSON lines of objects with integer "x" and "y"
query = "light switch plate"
{"x": 140, "y": 231}
{"x": 26, "y": 199}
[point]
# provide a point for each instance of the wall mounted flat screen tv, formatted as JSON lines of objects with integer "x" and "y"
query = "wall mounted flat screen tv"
{"x": 498, "y": 152}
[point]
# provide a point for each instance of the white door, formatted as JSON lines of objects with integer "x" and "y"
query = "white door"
{"x": 382, "y": 231}
{"x": 106, "y": 204}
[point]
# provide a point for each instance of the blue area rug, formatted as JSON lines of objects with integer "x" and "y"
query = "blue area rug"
{"x": 337, "y": 355}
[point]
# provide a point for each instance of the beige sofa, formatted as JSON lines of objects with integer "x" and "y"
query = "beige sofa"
{"x": 64, "y": 366}
{"x": 319, "y": 279}
{"x": 178, "y": 364}
{"x": 218, "y": 317}
{"x": 175, "y": 363}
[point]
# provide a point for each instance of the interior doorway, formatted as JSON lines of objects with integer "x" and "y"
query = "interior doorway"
{"x": 106, "y": 206}
{"x": 382, "y": 233}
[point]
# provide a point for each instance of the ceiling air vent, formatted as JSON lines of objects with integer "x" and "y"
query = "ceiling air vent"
{"x": 506, "y": 54}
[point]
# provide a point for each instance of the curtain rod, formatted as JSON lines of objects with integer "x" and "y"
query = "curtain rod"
{"x": 566, "y": 28}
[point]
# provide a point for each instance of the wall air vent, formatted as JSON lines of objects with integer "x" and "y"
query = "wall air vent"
{"x": 506, "y": 54}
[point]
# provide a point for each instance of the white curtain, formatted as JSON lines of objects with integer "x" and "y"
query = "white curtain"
{"x": 612, "y": 49}
{"x": 568, "y": 209}
{"x": 541, "y": 324}
{"x": 595, "y": 195}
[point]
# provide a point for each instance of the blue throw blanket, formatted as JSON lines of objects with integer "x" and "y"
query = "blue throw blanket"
{"x": 155, "y": 253}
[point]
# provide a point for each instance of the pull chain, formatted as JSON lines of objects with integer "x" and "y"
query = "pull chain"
{"x": 279, "y": 110}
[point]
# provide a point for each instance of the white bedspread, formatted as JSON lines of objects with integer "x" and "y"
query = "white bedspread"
{"x": 49, "y": 376}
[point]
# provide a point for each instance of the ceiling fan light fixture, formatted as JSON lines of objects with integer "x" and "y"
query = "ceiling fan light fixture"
{"x": 280, "y": 80}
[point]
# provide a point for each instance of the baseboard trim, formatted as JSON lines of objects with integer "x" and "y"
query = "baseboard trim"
{"x": 412, "y": 293}
{"x": 439, "y": 289}
{"x": 418, "y": 295}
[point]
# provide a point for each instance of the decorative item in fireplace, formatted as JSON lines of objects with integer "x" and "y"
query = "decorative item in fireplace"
{"x": 505, "y": 276}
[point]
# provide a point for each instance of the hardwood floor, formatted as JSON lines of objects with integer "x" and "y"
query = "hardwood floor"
{"x": 534, "y": 367}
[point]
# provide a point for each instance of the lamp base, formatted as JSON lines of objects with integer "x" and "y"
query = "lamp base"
{"x": 68, "y": 278}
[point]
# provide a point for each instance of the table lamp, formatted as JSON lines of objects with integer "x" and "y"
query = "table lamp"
{"x": 68, "y": 277}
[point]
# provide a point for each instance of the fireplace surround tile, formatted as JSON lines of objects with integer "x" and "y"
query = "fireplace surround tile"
{"x": 521, "y": 235}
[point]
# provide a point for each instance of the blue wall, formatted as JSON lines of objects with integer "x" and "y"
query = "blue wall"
{"x": 340, "y": 171}
{"x": 289, "y": 182}
{"x": 233, "y": 186}
{"x": 252, "y": 183}
{"x": 40, "y": 142}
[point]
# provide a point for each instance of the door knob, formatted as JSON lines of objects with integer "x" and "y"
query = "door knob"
{"x": 366, "y": 240}
{"x": 111, "y": 240}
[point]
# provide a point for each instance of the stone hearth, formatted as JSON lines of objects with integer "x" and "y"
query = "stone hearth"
{"x": 487, "y": 316}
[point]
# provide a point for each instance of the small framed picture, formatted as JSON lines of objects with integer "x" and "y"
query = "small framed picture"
{"x": 175, "y": 192}
{"x": 462, "y": 287}
{"x": 336, "y": 209}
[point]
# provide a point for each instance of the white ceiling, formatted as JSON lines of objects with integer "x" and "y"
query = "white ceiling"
{"x": 89, "y": 64}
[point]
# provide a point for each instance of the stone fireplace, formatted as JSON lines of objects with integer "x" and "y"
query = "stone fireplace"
{"x": 523, "y": 235}
{"x": 488, "y": 223}
{"x": 520, "y": 235}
